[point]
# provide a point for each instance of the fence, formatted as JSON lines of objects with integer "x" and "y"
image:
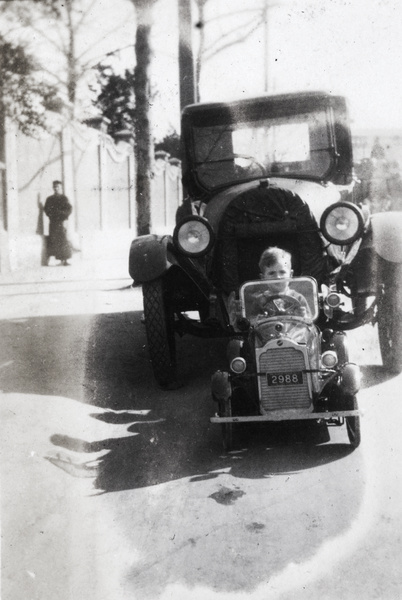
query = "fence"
{"x": 99, "y": 180}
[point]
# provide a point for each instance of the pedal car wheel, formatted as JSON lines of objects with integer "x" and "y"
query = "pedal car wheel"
{"x": 353, "y": 423}
{"x": 225, "y": 410}
{"x": 160, "y": 334}
{"x": 390, "y": 316}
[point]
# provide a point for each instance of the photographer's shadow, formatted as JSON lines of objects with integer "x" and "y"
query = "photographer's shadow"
{"x": 175, "y": 447}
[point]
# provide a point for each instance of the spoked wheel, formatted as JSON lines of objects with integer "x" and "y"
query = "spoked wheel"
{"x": 353, "y": 423}
{"x": 390, "y": 315}
{"x": 225, "y": 410}
{"x": 159, "y": 324}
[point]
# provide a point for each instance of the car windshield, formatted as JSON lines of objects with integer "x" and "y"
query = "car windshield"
{"x": 296, "y": 297}
{"x": 285, "y": 146}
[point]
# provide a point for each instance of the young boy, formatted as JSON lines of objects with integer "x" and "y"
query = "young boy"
{"x": 275, "y": 263}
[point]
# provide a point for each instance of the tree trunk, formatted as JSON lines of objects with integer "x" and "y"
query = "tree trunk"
{"x": 71, "y": 60}
{"x": 186, "y": 61}
{"x": 143, "y": 138}
{"x": 201, "y": 47}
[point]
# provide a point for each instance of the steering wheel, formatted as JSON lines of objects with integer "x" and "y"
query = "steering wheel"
{"x": 253, "y": 163}
{"x": 289, "y": 304}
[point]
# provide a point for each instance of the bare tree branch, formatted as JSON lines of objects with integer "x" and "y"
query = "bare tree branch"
{"x": 243, "y": 11}
{"x": 213, "y": 50}
{"x": 60, "y": 47}
{"x": 99, "y": 40}
{"x": 81, "y": 21}
{"x": 231, "y": 14}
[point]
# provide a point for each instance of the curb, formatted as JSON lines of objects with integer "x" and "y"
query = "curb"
{"x": 82, "y": 275}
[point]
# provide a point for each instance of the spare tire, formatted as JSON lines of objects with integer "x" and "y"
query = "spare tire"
{"x": 262, "y": 217}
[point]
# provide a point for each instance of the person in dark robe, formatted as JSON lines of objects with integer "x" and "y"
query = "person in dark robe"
{"x": 58, "y": 209}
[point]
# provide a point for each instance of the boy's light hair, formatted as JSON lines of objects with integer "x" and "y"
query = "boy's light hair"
{"x": 271, "y": 255}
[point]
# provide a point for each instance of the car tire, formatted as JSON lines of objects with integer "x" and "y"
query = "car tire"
{"x": 353, "y": 423}
{"x": 159, "y": 325}
{"x": 390, "y": 315}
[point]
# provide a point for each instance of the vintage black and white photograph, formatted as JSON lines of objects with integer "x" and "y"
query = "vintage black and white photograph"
{"x": 200, "y": 299}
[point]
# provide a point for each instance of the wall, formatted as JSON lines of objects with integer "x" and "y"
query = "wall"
{"x": 99, "y": 180}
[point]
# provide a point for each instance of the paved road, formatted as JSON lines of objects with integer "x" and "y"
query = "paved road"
{"x": 114, "y": 489}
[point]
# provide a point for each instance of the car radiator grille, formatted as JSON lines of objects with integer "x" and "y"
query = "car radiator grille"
{"x": 283, "y": 396}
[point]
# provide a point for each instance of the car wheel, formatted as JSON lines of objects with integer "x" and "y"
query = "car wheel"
{"x": 225, "y": 410}
{"x": 390, "y": 316}
{"x": 353, "y": 423}
{"x": 159, "y": 325}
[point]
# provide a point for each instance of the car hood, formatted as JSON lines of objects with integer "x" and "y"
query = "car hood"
{"x": 318, "y": 196}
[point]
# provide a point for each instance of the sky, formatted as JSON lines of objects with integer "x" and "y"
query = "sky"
{"x": 348, "y": 47}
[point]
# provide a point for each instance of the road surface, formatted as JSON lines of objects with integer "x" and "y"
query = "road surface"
{"x": 114, "y": 489}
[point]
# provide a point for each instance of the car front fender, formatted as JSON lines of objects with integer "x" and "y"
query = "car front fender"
{"x": 148, "y": 257}
{"x": 387, "y": 235}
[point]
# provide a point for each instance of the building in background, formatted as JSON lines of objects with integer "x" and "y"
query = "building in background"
{"x": 378, "y": 165}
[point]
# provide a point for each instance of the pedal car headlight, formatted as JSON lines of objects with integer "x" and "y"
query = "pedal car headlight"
{"x": 238, "y": 365}
{"x": 342, "y": 223}
{"x": 193, "y": 236}
{"x": 333, "y": 300}
{"x": 329, "y": 359}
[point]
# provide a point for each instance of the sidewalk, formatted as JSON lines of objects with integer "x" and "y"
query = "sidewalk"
{"x": 87, "y": 274}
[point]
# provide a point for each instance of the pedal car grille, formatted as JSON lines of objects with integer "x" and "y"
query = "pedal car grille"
{"x": 279, "y": 397}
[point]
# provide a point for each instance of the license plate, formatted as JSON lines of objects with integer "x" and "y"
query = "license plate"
{"x": 288, "y": 378}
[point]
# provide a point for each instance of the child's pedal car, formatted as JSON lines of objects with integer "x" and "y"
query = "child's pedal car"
{"x": 282, "y": 366}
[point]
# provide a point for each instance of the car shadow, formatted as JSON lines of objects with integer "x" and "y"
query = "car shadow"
{"x": 374, "y": 375}
{"x": 168, "y": 434}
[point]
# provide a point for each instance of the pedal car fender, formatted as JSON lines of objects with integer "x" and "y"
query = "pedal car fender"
{"x": 387, "y": 235}
{"x": 220, "y": 386}
{"x": 148, "y": 257}
{"x": 350, "y": 379}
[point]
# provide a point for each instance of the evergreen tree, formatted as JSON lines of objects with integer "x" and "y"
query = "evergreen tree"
{"x": 115, "y": 100}
{"x": 24, "y": 96}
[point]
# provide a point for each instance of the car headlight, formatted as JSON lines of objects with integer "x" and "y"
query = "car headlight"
{"x": 342, "y": 223}
{"x": 193, "y": 236}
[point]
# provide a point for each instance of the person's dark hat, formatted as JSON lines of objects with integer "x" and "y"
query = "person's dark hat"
{"x": 56, "y": 182}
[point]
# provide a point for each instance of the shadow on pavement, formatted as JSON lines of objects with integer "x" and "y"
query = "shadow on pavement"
{"x": 103, "y": 361}
{"x": 171, "y": 436}
{"x": 374, "y": 375}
